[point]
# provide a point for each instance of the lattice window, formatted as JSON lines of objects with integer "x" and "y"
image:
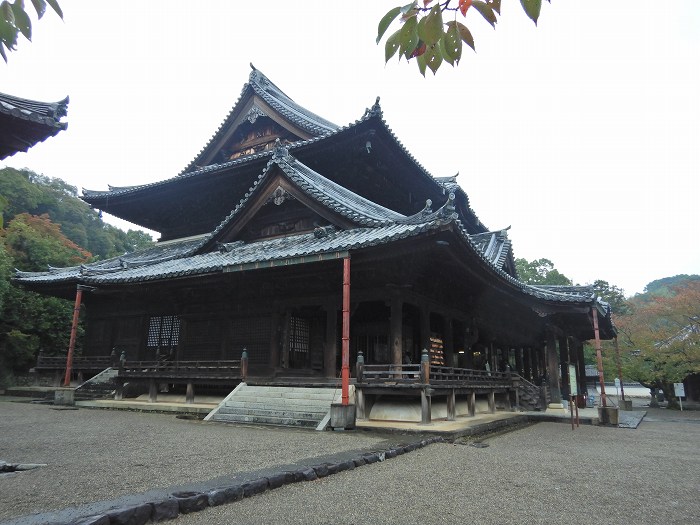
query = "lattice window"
{"x": 163, "y": 331}
{"x": 299, "y": 335}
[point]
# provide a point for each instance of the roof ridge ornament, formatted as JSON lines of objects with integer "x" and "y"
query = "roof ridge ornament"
{"x": 375, "y": 110}
{"x": 280, "y": 151}
{"x": 254, "y": 113}
{"x": 448, "y": 211}
{"x": 256, "y": 77}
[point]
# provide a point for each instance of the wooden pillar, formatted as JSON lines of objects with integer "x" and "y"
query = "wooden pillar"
{"x": 396, "y": 329}
{"x": 189, "y": 396}
{"x": 73, "y": 334}
{"x": 286, "y": 327}
{"x": 448, "y": 341}
{"x": 492, "y": 401}
{"x": 275, "y": 341}
{"x": 552, "y": 356}
{"x": 564, "y": 361}
{"x": 152, "y": 391}
{"x": 330, "y": 350}
{"x": 471, "y": 403}
{"x": 528, "y": 364}
{"x": 359, "y": 393}
{"x": 451, "y": 411}
{"x": 119, "y": 392}
{"x": 424, "y": 328}
{"x": 599, "y": 356}
{"x": 425, "y": 406}
{"x": 519, "y": 361}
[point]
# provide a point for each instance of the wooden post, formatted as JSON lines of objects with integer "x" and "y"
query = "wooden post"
{"x": 425, "y": 398}
{"x": 119, "y": 393}
{"x": 189, "y": 395}
{"x": 397, "y": 331}
{"x": 424, "y": 327}
{"x": 275, "y": 341}
{"x": 244, "y": 365}
{"x": 471, "y": 403}
{"x": 553, "y": 367}
{"x": 425, "y": 408}
{"x": 345, "y": 369}
{"x": 359, "y": 394}
{"x": 599, "y": 356}
{"x": 331, "y": 347}
{"x": 451, "y": 412}
{"x": 619, "y": 367}
{"x": 73, "y": 334}
{"x": 152, "y": 391}
{"x": 492, "y": 401}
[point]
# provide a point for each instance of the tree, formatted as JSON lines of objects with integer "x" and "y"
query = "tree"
{"x": 424, "y": 35}
{"x": 24, "y": 191}
{"x": 34, "y": 243}
{"x": 540, "y": 271}
{"x": 14, "y": 20}
{"x": 661, "y": 338}
{"x": 613, "y": 295}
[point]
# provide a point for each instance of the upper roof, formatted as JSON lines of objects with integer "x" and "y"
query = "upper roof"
{"x": 260, "y": 97}
{"x": 25, "y": 122}
{"x": 386, "y": 173}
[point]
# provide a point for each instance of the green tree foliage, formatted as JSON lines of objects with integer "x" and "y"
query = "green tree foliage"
{"x": 426, "y": 36}
{"x": 45, "y": 224}
{"x": 27, "y": 192}
{"x": 660, "y": 338}
{"x": 34, "y": 243}
{"x": 613, "y": 295}
{"x": 667, "y": 285}
{"x": 540, "y": 271}
{"x": 14, "y": 20}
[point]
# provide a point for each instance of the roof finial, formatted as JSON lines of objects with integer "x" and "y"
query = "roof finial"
{"x": 376, "y": 108}
{"x": 280, "y": 151}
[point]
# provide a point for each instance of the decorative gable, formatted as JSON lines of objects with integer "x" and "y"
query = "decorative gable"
{"x": 262, "y": 115}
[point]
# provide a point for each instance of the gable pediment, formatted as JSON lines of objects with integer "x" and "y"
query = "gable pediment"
{"x": 262, "y": 114}
{"x": 279, "y": 208}
{"x": 289, "y": 198}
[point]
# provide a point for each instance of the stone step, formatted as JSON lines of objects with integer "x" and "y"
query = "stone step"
{"x": 275, "y": 412}
{"x": 247, "y": 393}
{"x": 269, "y": 420}
{"x": 242, "y": 402}
{"x": 281, "y": 406}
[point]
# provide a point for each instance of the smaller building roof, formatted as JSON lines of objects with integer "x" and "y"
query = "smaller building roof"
{"x": 25, "y": 122}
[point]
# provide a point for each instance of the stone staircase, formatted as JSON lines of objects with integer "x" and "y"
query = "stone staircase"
{"x": 276, "y": 405}
{"x": 101, "y": 386}
{"x": 530, "y": 396}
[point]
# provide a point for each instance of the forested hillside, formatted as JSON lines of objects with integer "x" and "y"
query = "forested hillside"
{"x": 44, "y": 223}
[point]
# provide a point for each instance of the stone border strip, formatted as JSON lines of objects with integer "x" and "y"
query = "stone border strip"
{"x": 149, "y": 507}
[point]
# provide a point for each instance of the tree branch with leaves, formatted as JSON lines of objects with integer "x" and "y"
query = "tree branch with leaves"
{"x": 14, "y": 19}
{"x": 425, "y": 36}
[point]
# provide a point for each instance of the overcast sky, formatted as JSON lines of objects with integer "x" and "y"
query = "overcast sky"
{"x": 583, "y": 134}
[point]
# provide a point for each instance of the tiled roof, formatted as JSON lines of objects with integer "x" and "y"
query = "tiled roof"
{"x": 494, "y": 245}
{"x": 231, "y": 257}
{"x": 276, "y": 98}
{"x": 336, "y": 198}
{"x": 42, "y": 118}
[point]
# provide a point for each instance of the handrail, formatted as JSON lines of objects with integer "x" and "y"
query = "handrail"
{"x": 438, "y": 375}
{"x": 78, "y": 362}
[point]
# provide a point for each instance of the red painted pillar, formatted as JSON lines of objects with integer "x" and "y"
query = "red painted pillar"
{"x": 73, "y": 334}
{"x": 345, "y": 369}
{"x": 599, "y": 356}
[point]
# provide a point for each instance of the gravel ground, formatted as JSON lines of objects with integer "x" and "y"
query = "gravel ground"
{"x": 544, "y": 473}
{"x": 102, "y": 454}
